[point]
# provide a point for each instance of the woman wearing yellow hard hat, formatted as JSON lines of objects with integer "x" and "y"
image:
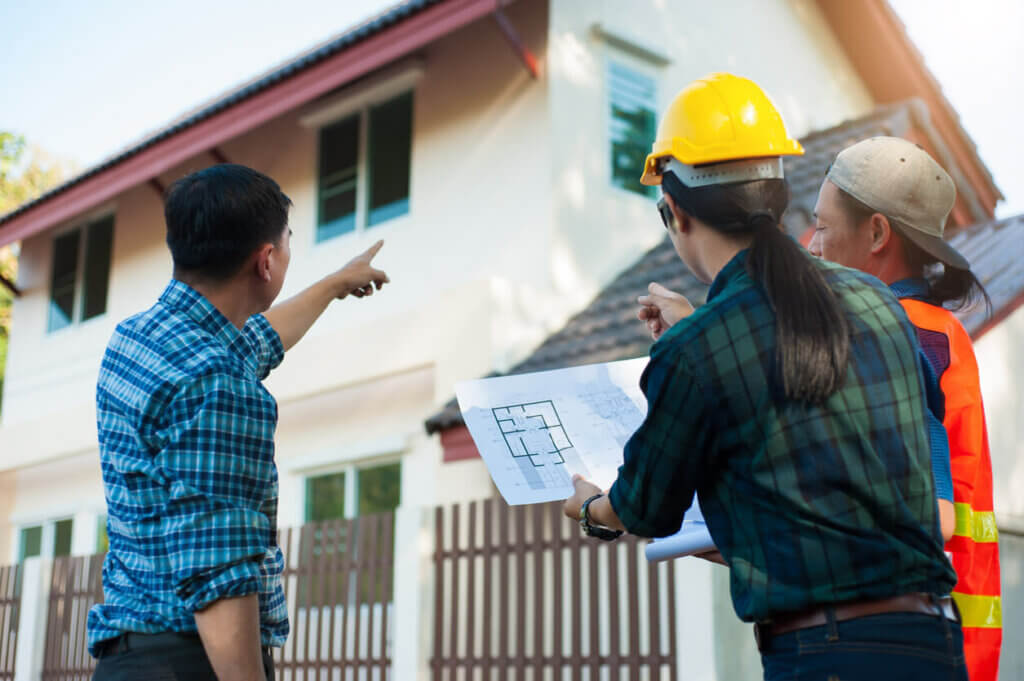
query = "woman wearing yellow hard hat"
{"x": 796, "y": 404}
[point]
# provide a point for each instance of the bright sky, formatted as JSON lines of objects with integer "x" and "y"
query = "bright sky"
{"x": 85, "y": 79}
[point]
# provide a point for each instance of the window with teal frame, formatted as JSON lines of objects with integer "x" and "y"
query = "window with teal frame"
{"x": 632, "y": 99}
{"x": 364, "y": 168}
{"x": 80, "y": 276}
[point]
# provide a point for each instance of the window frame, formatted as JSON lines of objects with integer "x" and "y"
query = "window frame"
{"x": 82, "y": 228}
{"x": 643, "y": 68}
{"x": 359, "y": 100}
{"x": 47, "y": 537}
{"x": 351, "y": 471}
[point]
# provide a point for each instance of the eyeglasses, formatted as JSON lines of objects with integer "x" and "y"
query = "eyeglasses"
{"x": 667, "y": 217}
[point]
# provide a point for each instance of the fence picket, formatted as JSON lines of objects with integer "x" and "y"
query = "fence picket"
{"x": 520, "y": 629}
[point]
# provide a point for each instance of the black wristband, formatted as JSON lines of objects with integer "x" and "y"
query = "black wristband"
{"x": 596, "y": 531}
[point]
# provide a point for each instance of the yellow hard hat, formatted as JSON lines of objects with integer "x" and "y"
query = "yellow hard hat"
{"x": 720, "y": 117}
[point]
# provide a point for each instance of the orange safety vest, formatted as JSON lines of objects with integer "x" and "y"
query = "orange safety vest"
{"x": 974, "y": 546}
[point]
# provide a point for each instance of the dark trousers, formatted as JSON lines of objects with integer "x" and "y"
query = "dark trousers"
{"x": 160, "y": 657}
{"x": 904, "y": 646}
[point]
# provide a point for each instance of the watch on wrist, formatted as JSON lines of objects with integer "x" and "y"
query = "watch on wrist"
{"x": 596, "y": 531}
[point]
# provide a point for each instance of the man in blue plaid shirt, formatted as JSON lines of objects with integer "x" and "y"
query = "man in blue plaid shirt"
{"x": 192, "y": 580}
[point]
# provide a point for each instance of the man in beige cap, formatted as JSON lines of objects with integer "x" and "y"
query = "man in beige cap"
{"x": 882, "y": 209}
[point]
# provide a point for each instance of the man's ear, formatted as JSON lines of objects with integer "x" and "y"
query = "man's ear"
{"x": 261, "y": 261}
{"x": 881, "y": 233}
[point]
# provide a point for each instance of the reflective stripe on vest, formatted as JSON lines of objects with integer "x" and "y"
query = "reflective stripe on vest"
{"x": 979, "y": 611}
{"x": 979, "y": 526}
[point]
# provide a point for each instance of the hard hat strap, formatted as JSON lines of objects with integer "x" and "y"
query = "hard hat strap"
{"x": 744, "y": 170}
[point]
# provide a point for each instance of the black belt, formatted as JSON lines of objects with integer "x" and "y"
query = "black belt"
{"x": 132, "y": 640}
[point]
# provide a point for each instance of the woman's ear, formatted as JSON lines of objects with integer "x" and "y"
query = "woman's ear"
{"x": 682, "y": 220}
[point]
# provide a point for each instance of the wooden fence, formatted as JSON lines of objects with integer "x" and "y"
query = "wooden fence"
{"x": 520, "y": 593}
{"x": 75, "y": 585}
{"x": 10, "y": 608}
{"x": 337, "y": 581}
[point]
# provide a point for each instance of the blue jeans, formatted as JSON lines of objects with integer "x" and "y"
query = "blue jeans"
{"x": 903, "y": 646}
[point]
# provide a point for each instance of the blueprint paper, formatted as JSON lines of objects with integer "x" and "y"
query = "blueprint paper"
{"x": 692, "y": 538}
{"x": 534, "y": 431}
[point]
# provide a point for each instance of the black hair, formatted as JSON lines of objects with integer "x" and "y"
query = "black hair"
{"x": 811, "y": 329}
{"x": 218, "y": 216}
{"x": 950, "y": 287}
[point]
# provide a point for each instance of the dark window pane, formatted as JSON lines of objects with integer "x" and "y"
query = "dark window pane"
{"x": 380, "y": 488}
{"x": 325, "y": 497}
{"x": 97, "y": 267}
{"x": 339, "y": 155}
{"x": 390, "y": 145}
{"x": 632, "y": 127}
{"x": 337, "y": 214}
{"x": 62, "y": 537}
{"x": 339, "y": 146}
{"x": 62, "y": 284}
{"x": 31, "y": 542}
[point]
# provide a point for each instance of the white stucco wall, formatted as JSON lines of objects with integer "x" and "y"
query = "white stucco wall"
{"x": 1001, "y": 368}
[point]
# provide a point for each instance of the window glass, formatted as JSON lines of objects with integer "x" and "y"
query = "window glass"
{"x": 62, "y": 283}
{"x": 633, "y": 125}
{"x": 325, "y": 497}
{"x": 97, "y": 268}
{"x": 390, "y": 145}
{"x": 62, "y": 537}
{"x": 339, "y": 158}
{"x": 31, "y": 542}
{"x": 379, "y": 488}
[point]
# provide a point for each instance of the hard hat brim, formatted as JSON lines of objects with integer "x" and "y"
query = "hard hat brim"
{"x": 684, "y": 152}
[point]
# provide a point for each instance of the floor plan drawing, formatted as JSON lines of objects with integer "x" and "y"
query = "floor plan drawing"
{"x": 533, "y": 430}
{"x": 536, "y": 431}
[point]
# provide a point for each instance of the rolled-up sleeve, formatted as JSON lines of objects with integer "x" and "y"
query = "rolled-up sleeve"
{"x": 217, "y": 463}
{"x": 664, "y": 459}
{"x": 265, "y": 343}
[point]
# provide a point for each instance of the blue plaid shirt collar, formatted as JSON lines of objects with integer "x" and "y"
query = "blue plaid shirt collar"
{"x": 915, "y": 288}
{"x": 180, "y": 297}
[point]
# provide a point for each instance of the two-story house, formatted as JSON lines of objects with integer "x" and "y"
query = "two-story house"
{"x": 495, "y": 146}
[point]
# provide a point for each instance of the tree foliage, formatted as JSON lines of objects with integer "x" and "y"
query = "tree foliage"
{"x": 25, "y": 173}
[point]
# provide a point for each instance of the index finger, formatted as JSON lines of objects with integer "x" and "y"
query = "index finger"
{"x": 656, "y": 289}
{"x": 372, "y": 250}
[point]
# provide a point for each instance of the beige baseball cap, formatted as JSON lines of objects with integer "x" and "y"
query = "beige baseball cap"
{"x": 901, "y": 181}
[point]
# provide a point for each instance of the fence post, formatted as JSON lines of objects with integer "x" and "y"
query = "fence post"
{"x": 35, "y": 603}
{"x": 413, "y": 594}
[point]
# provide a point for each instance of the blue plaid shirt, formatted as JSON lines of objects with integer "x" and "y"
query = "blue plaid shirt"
{"x": 186, "y": 438}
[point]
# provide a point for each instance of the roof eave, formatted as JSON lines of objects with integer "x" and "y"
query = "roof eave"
{"x": 164, "y": 150}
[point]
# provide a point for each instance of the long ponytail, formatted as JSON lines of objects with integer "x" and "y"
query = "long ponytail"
{"x": 812, "y": 332}
{"x": 948, "y": 286}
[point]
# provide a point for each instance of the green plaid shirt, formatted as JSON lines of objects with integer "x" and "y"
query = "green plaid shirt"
{"x": 809, "y": 504}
